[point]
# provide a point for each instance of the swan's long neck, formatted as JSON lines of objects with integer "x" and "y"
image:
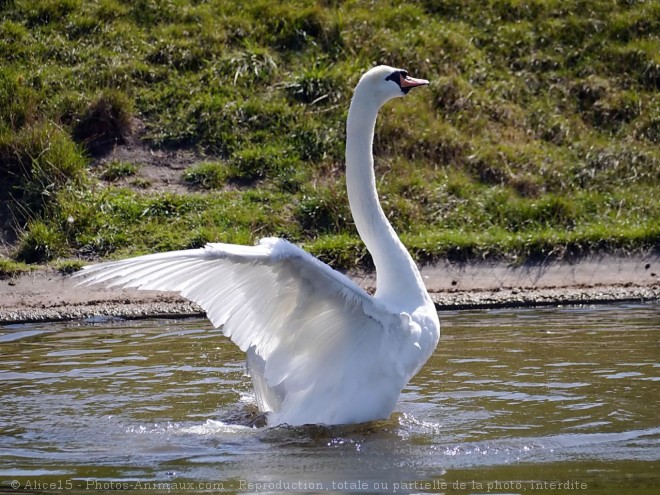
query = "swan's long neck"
{"x": 398, "y": 280}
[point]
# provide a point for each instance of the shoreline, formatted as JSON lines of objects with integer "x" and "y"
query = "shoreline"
{"x": 46, "y": 295}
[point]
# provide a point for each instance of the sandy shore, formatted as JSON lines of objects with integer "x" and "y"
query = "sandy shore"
{"x": 48, "y": 296}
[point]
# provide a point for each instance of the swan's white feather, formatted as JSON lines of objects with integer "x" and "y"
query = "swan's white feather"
{"x": 296, "y": 313}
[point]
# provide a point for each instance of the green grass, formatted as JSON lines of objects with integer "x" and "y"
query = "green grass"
{"x": 40, "y": 242}
{"x": 117, "y": 169}
{"x": 10, "y": 268}
{"x": 538, "y": 135}
{"x": 67, "y": 267}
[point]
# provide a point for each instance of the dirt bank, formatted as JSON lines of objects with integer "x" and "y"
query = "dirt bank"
{"x": 48, "y": 296}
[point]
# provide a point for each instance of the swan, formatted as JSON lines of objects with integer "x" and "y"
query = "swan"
{"x": 320, "y": 349}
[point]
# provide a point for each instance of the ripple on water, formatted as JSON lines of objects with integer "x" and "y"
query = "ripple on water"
{"x": 161, "y": 399}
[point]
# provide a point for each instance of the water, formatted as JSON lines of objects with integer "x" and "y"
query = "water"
{"x": 512, "y": 401}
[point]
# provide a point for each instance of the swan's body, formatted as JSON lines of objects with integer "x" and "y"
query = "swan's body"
{"x": 320, "y": 349}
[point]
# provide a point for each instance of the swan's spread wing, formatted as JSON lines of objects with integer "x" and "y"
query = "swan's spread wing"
{"x": 306, "y": 321}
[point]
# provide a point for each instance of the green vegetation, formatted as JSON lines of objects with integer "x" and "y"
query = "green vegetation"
{"x": 206, "y": 175}
{"x": 9, "y": 268}
{"x": 538, "y": 135}
{"x": 68, "y": 267}
{"x": 116, "y": 170}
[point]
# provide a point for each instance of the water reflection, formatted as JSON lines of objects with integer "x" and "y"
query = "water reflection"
{"x": 526, "y": 395}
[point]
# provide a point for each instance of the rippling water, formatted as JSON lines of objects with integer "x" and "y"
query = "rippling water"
{"x": 511, "y": 402}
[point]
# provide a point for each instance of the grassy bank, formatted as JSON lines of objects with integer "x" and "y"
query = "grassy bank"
{"x": 537, "y": 137}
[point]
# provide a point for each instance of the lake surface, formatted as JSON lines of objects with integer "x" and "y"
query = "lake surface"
{"x": 560, "y": 400}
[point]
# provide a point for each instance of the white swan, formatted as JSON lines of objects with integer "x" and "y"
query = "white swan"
{"x": 319, "y": 348}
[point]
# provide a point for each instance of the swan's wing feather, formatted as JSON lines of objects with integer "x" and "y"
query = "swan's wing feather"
{"x": 295, "y": 311}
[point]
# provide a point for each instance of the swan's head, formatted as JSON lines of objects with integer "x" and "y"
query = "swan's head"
{"x": 384, "y": 83}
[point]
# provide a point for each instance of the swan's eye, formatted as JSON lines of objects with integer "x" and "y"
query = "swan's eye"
{"x": 397, "y": 76}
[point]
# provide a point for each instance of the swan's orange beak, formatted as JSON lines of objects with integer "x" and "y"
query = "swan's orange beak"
{"x": 407, "y": 82}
